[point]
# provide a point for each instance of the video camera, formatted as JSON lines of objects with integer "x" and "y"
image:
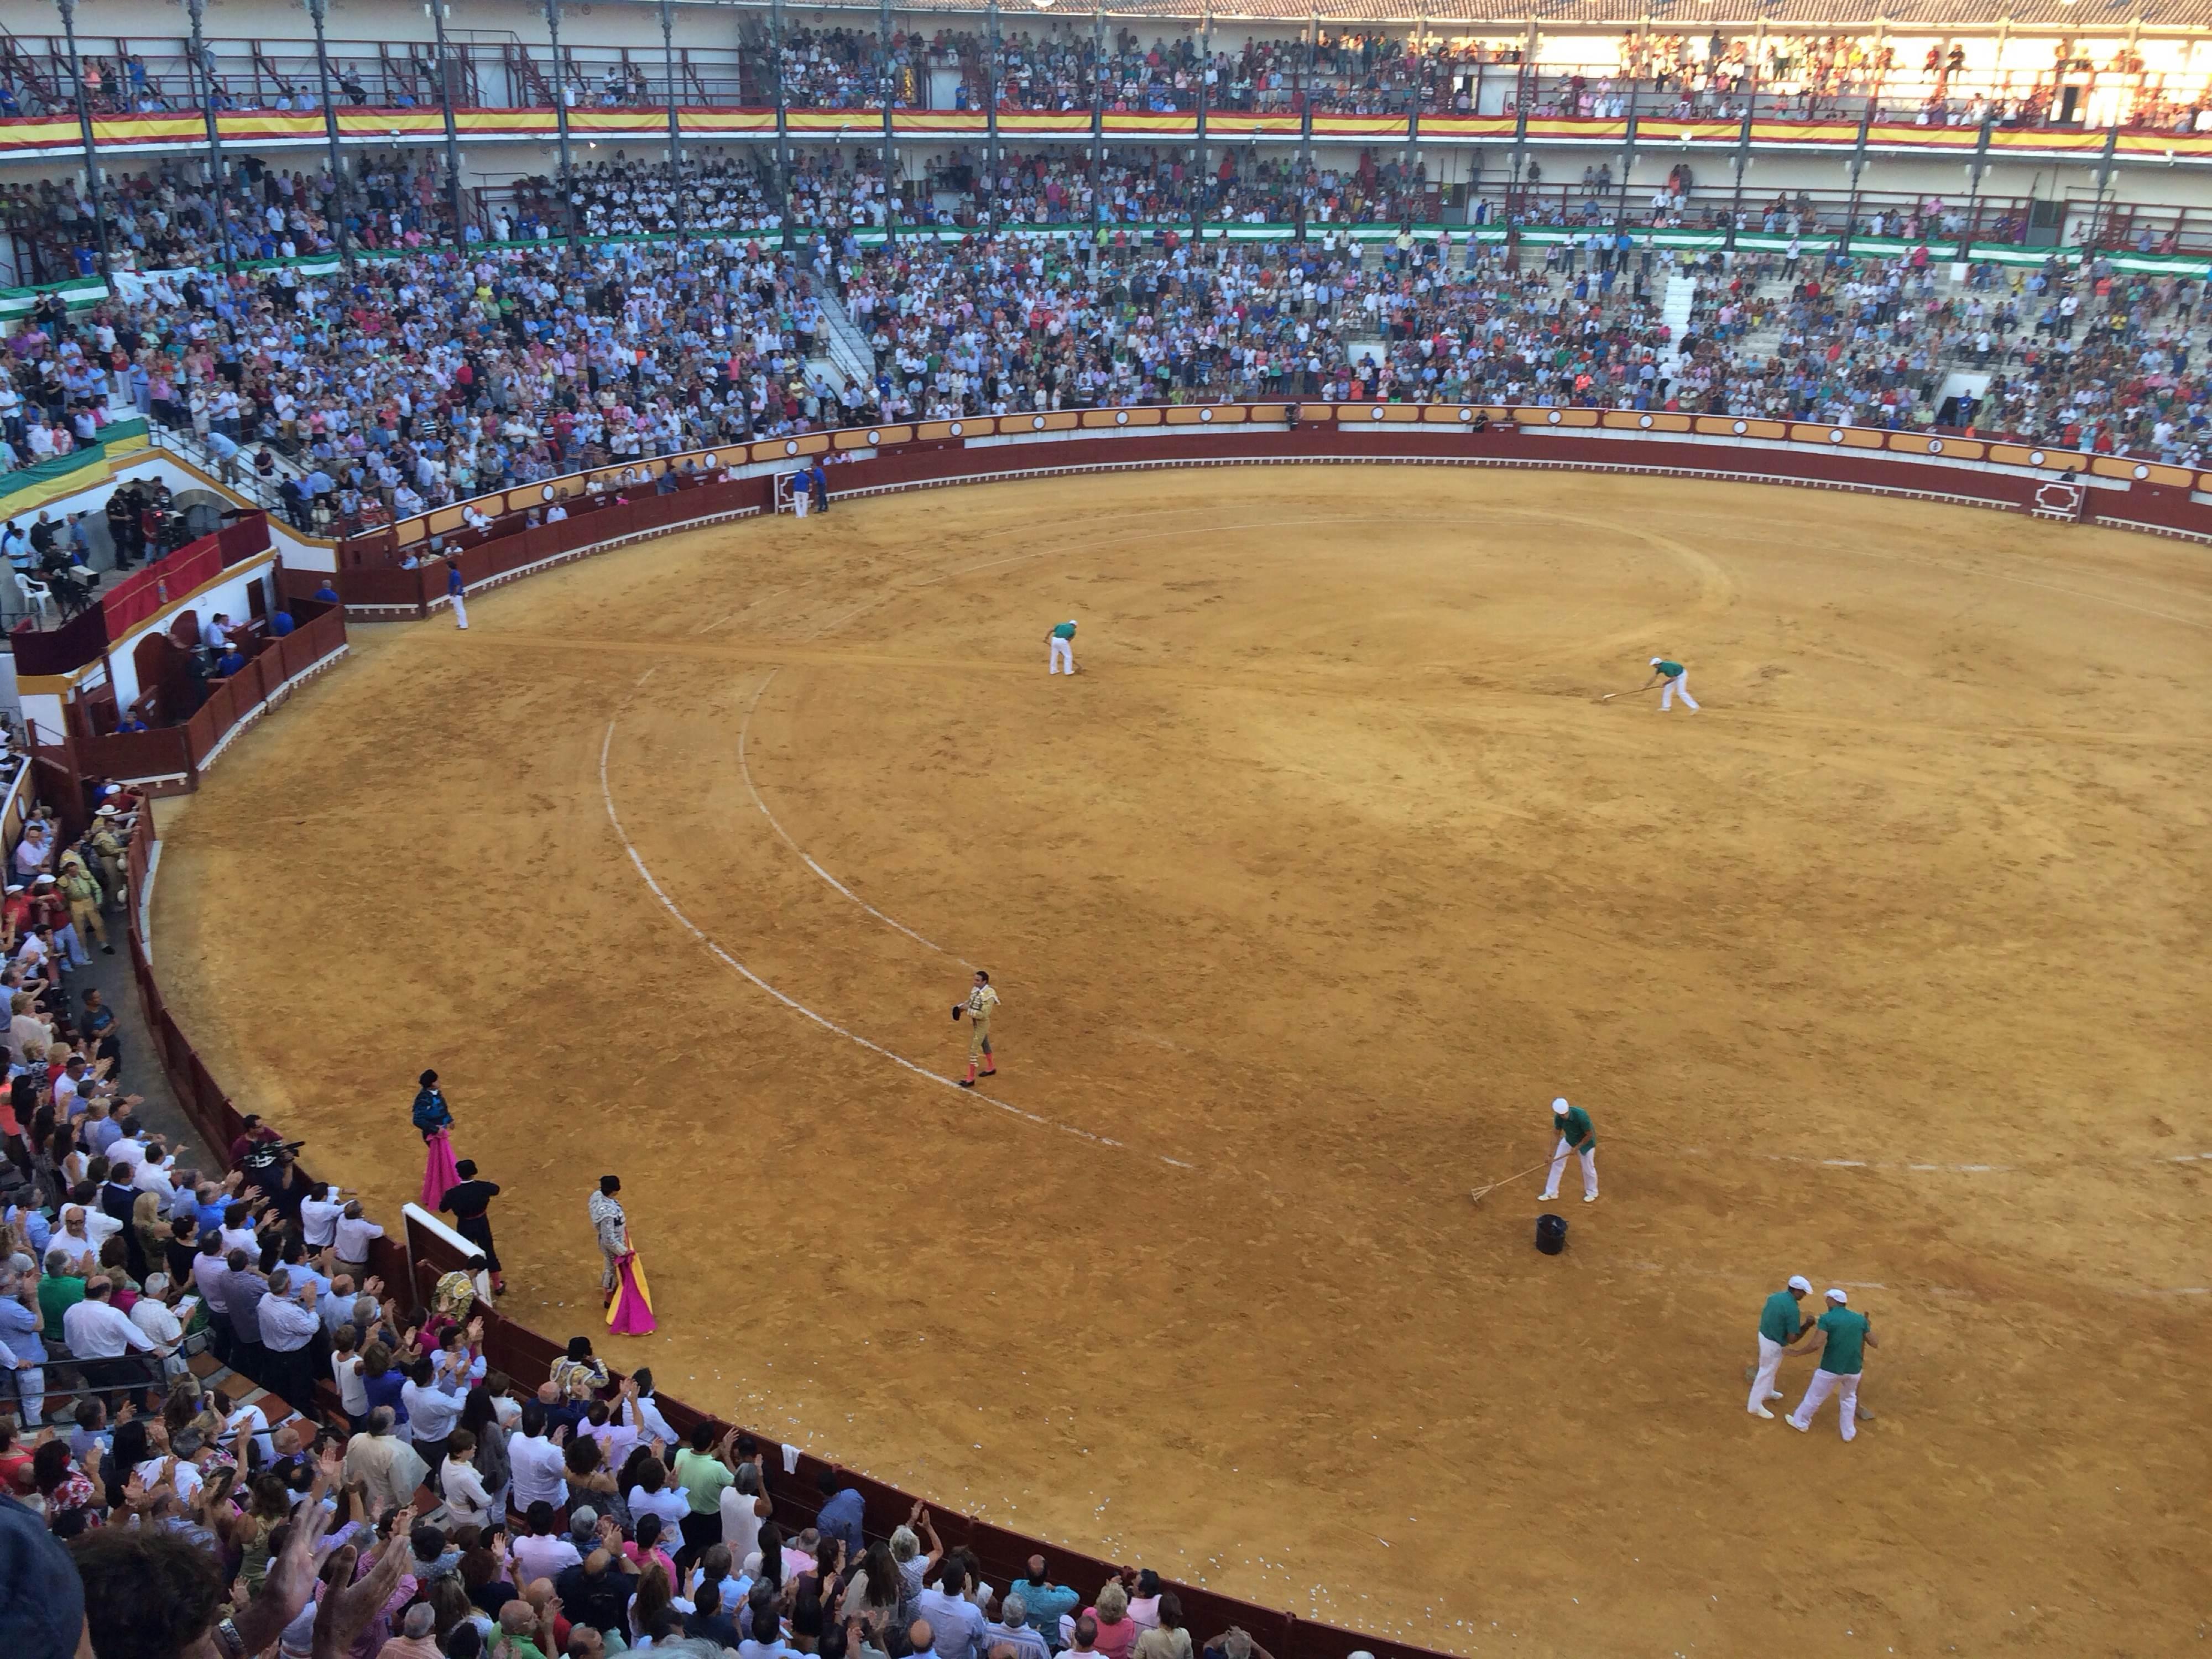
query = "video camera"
{"x": 263, "y": 1156}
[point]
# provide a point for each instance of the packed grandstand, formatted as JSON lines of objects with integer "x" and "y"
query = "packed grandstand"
{"x": 354, "y": 397}
{"x": 223, "y": 1432}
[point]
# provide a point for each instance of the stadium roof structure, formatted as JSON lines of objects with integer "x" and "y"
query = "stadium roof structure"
{"x": 2086, "y": 17}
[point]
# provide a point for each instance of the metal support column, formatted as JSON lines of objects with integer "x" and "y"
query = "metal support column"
{"x": 890, "y": 134}
{"x": 1412, "y": 149}
{"x": 1097, "y": 128}
{"x": 2104, "y": 183}
{"x": 84, "y": 130}
{"x": 1199, "y": 183}
{"x": 318, "y": 10}
{"x": 1627, "y": 166}
{"x": 560, "y": 124}
{"x": 675, "y": 135}
{"x": 203, "y": 84}
{"x": 991, "y": 118}
{"x": 1743, "y": 165}
{"x": 1520, "y": 158}
{"x": 438, "y": 9}
{"x": 1857, "y": 166}
{"x": 782, "y": 128}
{"x": 1975, "y": 169}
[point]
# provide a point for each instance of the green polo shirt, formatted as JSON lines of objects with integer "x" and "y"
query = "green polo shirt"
{"x": 703, "y": 1476}
{"x": 1671, "y": 670}
{"x": 1778, "y": 1320}
{"x": 58, "y": 1294}
{"x": 1845, "y": 1352}
{"x": 1063, "y": 630}
{"x": 1574, "y": 1124}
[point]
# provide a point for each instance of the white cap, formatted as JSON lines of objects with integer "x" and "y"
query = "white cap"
{"x": 1835, "y": 1295}
{"x": 1655, "y": 661}
{"x": 1559, "y": 1107}
{"x": 1799, "y": 1282}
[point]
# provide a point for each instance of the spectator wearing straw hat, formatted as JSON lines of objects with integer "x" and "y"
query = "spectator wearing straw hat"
{"x": 1842, "y": 1337}
{"x": 1780, "y": 1324}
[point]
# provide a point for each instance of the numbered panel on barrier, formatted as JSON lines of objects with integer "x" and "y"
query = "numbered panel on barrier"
{"x": 2062, "y": 499}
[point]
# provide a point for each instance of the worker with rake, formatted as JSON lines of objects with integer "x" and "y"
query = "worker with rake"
{"x": 1576, "y": 1136}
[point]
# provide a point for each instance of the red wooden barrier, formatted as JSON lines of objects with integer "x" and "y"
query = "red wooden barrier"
{"x": 59, "y": 650}
{"x": 136, "y": 754}
{"x": 140, "y": 594}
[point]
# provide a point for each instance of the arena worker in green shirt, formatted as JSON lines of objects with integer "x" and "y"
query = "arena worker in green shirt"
{"x": 1843, "y": 1336}
{"x": 1780, "y": 1323}
{"x": 1062, "y": 642}
{"x": 1678, "y": 683}
{"x": 1576, "y": 1136}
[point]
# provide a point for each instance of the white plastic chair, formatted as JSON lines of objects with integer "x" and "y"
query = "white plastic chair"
{"x": 37, "y": 596}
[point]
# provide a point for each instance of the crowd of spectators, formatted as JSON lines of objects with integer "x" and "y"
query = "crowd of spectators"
{"x": 427, "y": 378}
{"x": 1808, "y": 75}
{"x": 169, "y": 216}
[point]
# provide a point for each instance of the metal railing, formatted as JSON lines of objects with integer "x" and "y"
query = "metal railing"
{"x": 1948, "y": 80}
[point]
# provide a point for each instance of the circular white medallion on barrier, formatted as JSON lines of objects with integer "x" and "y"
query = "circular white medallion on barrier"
{"x": 874, "y": 436}
{"x": 2142, "y": 472}
{"x": 1466, "y": 417}
{"x": 2035, "y": 458}
{"x": 1935, "y": 446}
{"x": 1643, "y": 420}
{"x": 1036, "y": 422}
{"x": 1120, "y": 417}
{"x": 1206, "y": 418}
{"x": 706, "y": 460}
{"x": 1741, "y": 427}
{"x": 790, "y": 446}
{"x": 955, "y": 428}
{"x": 1835, "y": 436}
{"x": 546, "y": 493}
{"x": 1555, "y": 417}
{"x": 1376, "y": 413}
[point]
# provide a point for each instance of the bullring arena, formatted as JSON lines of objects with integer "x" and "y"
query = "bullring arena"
{"x": 1304, "y": 899}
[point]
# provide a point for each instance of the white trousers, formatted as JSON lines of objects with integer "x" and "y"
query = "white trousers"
{"x": 30, "y": 1394}
{"x": 1559, "y": 1163}
{"x": 1770, "y": 1363}
{"x": 1063, "y": 651}
{"x": 801, "y": 499}
{"x": 460, "y": 611}
{"x": 1679, "y": 684}
{"x": 1846, "y": 1390}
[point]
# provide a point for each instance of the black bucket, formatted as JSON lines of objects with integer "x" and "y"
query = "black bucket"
{"x": 1551, "y": 1233}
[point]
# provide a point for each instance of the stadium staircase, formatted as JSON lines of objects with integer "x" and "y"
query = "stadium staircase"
{"x": 849, "y": 357}
{"x": 323, "y": 1412}
{"x": 1674, "y": 308}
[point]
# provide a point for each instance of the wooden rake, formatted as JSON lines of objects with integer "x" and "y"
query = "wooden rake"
{"x": 1481, "y": 1193}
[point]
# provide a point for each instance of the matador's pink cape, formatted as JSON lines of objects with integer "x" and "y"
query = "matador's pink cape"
{"x": 439, "y": 1174}
{"x": 630, "y": 1314}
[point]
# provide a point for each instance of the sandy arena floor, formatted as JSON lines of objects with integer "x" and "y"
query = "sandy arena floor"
{"x": 1304, "y": 900}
